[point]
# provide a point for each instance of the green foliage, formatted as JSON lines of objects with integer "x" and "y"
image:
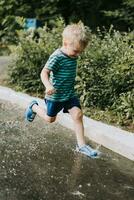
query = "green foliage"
{"x": 105, "y": 75}
{"x": 29, "y": 9}
{"x": 124, "y": 14}
{"x": 125, "y": 105}
{"x": 31, "y": 55}
{"x": 85, "y": 10}
{"x": 92, "y": 13}
{"x": 11, "y": 10}
{"x": 8, "y": 34}
{"x": 106, "y": 70}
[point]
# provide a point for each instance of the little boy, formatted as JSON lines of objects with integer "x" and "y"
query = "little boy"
{"x": 58, "y": 77}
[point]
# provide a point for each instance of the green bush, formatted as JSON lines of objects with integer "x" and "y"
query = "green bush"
{"x": 125, "y": 105}
{"x": 105, "y": 71}
{"x": 31, "y": 55}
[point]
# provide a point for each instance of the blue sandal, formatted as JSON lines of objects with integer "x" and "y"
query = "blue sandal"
{"x": 88, "y": 151}
{"x": 29, "y": 114}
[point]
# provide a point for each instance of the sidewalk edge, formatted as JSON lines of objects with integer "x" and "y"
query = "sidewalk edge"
{"x": 115, "y": 139}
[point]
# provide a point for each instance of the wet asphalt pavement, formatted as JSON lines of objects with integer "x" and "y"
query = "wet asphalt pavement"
{"x": 39, "y": 162}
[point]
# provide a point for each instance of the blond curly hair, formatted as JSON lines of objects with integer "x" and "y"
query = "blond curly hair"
{"x": 77, "y": 33}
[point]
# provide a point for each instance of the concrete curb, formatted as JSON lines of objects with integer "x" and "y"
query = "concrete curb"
{"x": 115, "y": 139}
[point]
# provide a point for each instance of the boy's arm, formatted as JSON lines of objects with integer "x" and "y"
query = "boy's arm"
{"x": 45, "y": 73}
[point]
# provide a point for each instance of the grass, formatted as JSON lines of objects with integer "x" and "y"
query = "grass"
{"x": 109, "y": 117}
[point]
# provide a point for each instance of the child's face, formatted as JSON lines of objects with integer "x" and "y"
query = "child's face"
{"x": 73, "y": 50}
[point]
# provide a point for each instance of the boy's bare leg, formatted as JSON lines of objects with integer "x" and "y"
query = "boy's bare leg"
{"x": 42, "y": 113}
{"x": 77, "y": 117}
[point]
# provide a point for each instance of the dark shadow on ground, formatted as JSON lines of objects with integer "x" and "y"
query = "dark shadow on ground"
{"x": 39, "y": 162}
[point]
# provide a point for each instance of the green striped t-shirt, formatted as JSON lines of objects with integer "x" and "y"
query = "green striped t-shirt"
{"x": 62, "y": 76}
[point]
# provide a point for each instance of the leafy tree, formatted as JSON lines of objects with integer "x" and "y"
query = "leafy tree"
{"x": 91, "y": 12}
{"x": 10, "y": 10}
{"x": 124, "y": 15}
{"x": 99, "y": 12}
{"x": 85, "y": 10}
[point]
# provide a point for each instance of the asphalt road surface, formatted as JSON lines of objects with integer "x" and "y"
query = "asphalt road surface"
{"x": 39, "y": 162}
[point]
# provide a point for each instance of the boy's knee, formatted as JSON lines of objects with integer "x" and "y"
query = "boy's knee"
{"x": 78, "y": 115}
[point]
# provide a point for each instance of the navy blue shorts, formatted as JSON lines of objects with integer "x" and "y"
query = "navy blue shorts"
{"x": 53, "y": 107}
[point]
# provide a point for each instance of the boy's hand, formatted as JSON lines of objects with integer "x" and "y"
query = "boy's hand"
{"x": 50, "y": 90}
